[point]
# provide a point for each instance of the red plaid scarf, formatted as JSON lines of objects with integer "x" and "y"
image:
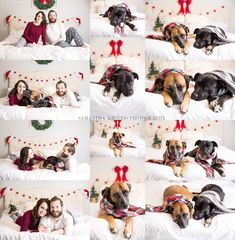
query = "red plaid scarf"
{"x": 110, "y": 71}
{"x": 110, "y": 209}
{"x": 170, "y": 201}
{"x": 162, "y": 75}
{"x": 121, "y": 144}
{"x": 168, "y": 159}
{"x": 203, "y": 162}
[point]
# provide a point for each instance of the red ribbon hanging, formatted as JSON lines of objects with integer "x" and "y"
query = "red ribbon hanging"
{"x": 116, "y": 51}
{"x": 117, "y": 123}
{"x": 119, "y": 44}
{"x": 124, "y": 169}
{"x": 112, "y": 43}
{"x": 117, "y": 169}
{"x": 180, "y": 125}
{"x": 186, "y": 9}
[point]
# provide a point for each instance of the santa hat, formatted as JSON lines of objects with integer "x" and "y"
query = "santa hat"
{"x": 2, "y": 192}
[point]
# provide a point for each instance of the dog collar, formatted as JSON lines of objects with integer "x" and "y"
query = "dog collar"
{"x": 170, "y": 159}
{"x": 199, "y": 156}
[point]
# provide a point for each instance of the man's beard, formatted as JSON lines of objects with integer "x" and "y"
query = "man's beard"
{"x": 53, "y": 20}
{"x": 61, "y": 94}
{"x": 56, "y": 216}
{"x": 64, "y": 155}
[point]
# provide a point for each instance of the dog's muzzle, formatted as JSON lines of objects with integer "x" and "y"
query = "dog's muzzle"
{"x": 182, "y": 220}
{"x": 180, "y": 41}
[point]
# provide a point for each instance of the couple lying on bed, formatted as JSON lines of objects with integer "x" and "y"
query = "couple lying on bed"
{"x": 62, "y": 97}
{"x": 64, "y": 160}
{"x": 47, "y": 216}
{"x": 52, "y": 33}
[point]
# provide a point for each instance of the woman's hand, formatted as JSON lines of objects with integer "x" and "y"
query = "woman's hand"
{"x": 42, "y": 229}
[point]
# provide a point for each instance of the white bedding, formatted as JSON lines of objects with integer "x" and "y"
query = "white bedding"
{"x": 156, "y": 49}
{"x": 101, "y": 26}
{"x": 154, "y": 106}
{"x": 10, "y": 230}
{"x": 195, "y": 171}
{"x": 39, "y": 52}
{"x": 99, "y": 147}
{"x": 161, "y": 226}
{"x": 9, "y": 171}
{"x": 66, "y": 113}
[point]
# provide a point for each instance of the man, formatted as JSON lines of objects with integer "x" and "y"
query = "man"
{"x": 63, "y": 96}
{"x": 56, "y": 34}
{"x": 58, "y": 222}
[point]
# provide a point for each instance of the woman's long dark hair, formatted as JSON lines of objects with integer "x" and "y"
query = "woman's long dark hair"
{"x": 44, "y": 20}
{"x": 14, "y": 90}
{"x": 24, "y": 153}
{"x": 35, "y": 218}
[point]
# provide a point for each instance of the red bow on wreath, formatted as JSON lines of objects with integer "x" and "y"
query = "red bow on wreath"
{"x": 180, "y": 125}
{"x": 186, "y": 9}
{"x": 118, "y": 170}
{"x": 44, "y": 1}
{"x": 117, "y": 123}
{"x": 116, "y": 52}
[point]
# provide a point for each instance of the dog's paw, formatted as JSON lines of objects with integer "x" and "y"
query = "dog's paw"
{"x": 169, "y": 102}
{"x": 182, "y": 174}
{"x": 214, "y": 105}
{"x": 207, "y": 223}
{"x": 184, "y": 107}
{"x": 134, "y": 28}
{"x": 186, "y": 51}
{"x": 178, "y": 50}
{"x": 176, "y": 172}
{"x": 209, "y": 50}
{"x": 113, "y": 229}
{"x": 127, "y": 232}
{"x": 114, "y": 99}
{"x": 105, "y": 93}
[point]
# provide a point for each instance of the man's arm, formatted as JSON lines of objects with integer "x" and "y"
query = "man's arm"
{"x": 62, "y": 33}
{"x": 68, "y": 228}
{"x": 56, "y": 100}
{"x": 72, "y": 99}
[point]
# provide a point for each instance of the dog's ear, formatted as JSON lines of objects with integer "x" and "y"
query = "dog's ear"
{"x": 184, "y": 144}
{"x": 106, "y": 192}
{"x": 170, "y": 209}
{"x": 129, "y": 186}
{"x": 123, "y": 134}
{"x": 197, "y": 143}
{"x": 167, "y": 143}
{"x": 214, "y": 37}
{"x": 196, "y": 30}
{"x": 196, "y": 76}
{"x": 108, "y": 12}
{"x": 188, "y": 78}
{"x": 222, "y": 88}
{"x": 186, "y": 29}
{"x": 195, "y": 198}
{"x": 135, "y": 75}
{"x": 114, "y": 134}
{"x": 167, "y": 34}
{"x": 214, "y": 144}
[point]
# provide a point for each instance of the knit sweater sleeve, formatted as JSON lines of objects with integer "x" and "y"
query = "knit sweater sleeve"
{"x": 12, "y": 100}
{"x": 26, "y": 33}
{"x": 25, "y": 221}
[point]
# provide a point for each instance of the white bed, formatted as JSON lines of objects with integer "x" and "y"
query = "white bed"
{"x": 161, "y": 226}
{"x": 99, "y": 147}
{"x": 100, "y": 229}
{"x": 195, "y": 171}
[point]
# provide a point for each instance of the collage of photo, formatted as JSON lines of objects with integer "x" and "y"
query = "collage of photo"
{"x": 117, "y": 120}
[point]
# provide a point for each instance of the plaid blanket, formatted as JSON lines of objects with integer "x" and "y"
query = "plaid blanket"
{"x": 162, "y": 75}
{"x": 169, "y": 202}
{"x": 110, "y": 209}
{"x": 110, "y": 71}
{"x": 121, "y": 144}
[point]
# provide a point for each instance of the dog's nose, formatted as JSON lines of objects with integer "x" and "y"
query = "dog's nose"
{"x": 195, "y": 217}
{"x": 194, "y": 95}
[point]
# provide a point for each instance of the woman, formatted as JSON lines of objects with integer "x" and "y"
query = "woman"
{"x": 30, "y": 219}
{"x": 26, "y": 160}
{"x": 33, "y": 31}
{"x": 16, "y": 94}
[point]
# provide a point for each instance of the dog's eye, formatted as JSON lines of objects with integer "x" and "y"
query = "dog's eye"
{"x": 180, "y": 87}
{"x": 116, "y": 195}
{"x": 178, "y": 147}
{"x": 182, "y": 35}
{"x": 170, "y": 89}
{"x": 125, "y": 193}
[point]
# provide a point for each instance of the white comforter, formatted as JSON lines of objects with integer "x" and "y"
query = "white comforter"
{"x": 195, "y": 171}
{"x": 101, "y": 26}
{"x": 160, "y": 226}
{"x": 156, "y": 49}
{"x": 66, "y": 113}
{"x": 10, "y": 231}
{"x": 99, "y": 147}
{"x": 154, "y": 106}
{"x": 39, "y": 52}
{"x": 9, "y": 171}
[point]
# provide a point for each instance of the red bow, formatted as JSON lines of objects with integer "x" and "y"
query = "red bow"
{"x": 186, "y": 9}
{"x": 86, "y": 191}
{"x": 118, "y": 169}
{"x": 43, "y": 1}
{"x": 117, "y": 123}
{"x": 116, "y": 52}
{"x": 180, "y": 125}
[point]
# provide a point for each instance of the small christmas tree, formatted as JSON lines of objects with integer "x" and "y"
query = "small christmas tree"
{"x": 158, "y": 25}
{"x": 94, "y": 195}
{"x": 156, "y": 141}
{"x": 152, "y": 71}
{"x": 12, "y": 208}
{"x": 104, "y": 134}
{"x": 92, "y": 67}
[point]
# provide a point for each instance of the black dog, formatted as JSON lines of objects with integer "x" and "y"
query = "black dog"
{"x": 209, "y": 37}
{"x": 205, "y": 154}
{"x": 205, "y": 205}
{"x": 35, "y": 99}
{"x": 216, "y": 86}
{"x": 120, "y": 77}
{"x": 54, "y": 163}
{"x": 120, "y": 15}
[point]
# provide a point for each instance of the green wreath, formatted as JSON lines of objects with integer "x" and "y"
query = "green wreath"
{"x": 43, "y": 6}
{"x": 38, "y": 126}
{"x": 43, "y": 61}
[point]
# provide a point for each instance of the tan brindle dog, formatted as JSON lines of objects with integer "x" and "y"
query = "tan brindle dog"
{"x": 181, "y": 209}
{"x": 117, "y": 195}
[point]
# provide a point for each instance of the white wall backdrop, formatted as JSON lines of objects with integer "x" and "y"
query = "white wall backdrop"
{"x": 64, "y": 9}
{"x": 57, "y": 130}
{"x": 55, "y": 66}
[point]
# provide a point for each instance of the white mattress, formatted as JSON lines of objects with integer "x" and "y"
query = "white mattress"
{"x": 9, "y": 171}
{"x": 155, "y": 106}
{"x": 161, "y": 226}
{"x": 39, "y": 52}
{"x": 99, "y": 147}
{"x": 10, "y": 231}
{"x": 101, "y": 26}
{"x": 195, "y": 171}
{"x": 156, "y": 49}
{"x": 66, "y": 113}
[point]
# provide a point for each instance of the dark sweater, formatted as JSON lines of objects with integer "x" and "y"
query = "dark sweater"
{"x": 25, "y": 222}
{"x": 28, "y": 166}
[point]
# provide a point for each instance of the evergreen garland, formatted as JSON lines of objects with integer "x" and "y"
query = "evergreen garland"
{"x": 38, "y": 126}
